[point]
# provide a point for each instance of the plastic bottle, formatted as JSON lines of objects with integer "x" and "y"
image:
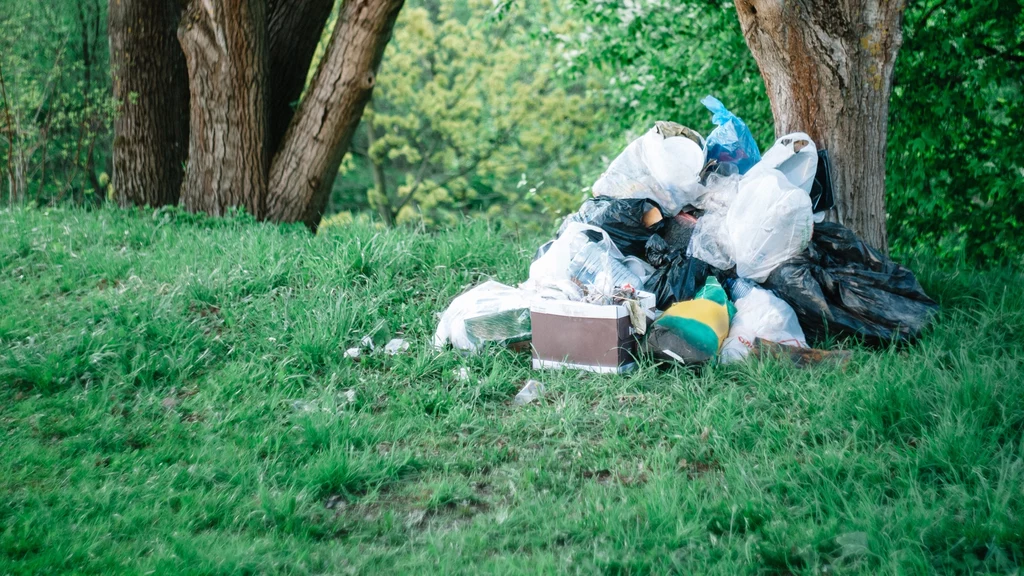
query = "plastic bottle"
{"x": 593, "y": 266}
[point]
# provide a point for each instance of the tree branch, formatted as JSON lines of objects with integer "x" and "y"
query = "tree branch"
{"x": 306, "y": 164}
{"x": 10, "y": 138}
{"x": 1004, "y": 54}
{"x": 498, "y": 143}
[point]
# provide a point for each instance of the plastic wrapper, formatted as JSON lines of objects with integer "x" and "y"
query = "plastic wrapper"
{"x": 629, "y": 222}
{"x": 795, "y": 156}
{"x": 490, "y": 312}
{"x": 842, "y": 286}
{"x": 531, "y": 391}
{"x": 506, "y": 327}
{"x": 759, "y": 314}
{"x": 769, "y": 222}
{"x": 731, "y": 142}
{"x": 663, "y": 165}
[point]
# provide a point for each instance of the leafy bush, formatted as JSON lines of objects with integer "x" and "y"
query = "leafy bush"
{"x": 55, "y": 103}
{"x": 956, "y": 154}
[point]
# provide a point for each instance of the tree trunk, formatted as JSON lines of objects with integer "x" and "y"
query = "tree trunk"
{"x": 380, "y": 183}
{"x": 151, "y": 127}
{"x": 226, "y": 50}
{"x": 828, "y": 67}
{"x": 294, "y": 29}
{"x": 304, "y": 169}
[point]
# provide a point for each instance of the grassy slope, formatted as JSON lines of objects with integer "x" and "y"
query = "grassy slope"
{"x": 172, "y": 399}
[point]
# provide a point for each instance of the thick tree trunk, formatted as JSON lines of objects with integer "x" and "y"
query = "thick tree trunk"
{"x": 828, "y": 70}
{"x": 226, "y": 50}
{"x": 151, "y": 127}
{"x": 294, "y": 29}
{"x": 305, "y": 166}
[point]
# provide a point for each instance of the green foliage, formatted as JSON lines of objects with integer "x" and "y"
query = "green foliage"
{"x": 174, "y": 398}
{"x": 468, "y": 116}
{"x": 956, "y": 154}
{"x": 661, "y": 57}
{"x": 55, "y": 104}
{"x": 510, "y": 110}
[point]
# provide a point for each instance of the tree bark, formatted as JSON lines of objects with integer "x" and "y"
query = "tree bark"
{"x": 828, "y": 67}
{"x": 304, "y": 169}
{"x": 149, "y": 78}
{"x": 225, "y": 45}
{"x": 294, "y": 30}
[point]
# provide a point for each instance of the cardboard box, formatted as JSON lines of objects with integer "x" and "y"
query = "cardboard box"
{"x": 585, "y": 336}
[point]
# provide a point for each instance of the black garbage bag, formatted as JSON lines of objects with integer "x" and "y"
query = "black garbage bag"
{"x": 678, "y": 231}
{"x": 842, "y": 286}
{"x": 676, "y": 278}
{"x": 622, "y": 219}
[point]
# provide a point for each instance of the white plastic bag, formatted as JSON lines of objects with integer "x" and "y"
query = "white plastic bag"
{"x": 769, "y": 222}
{"x": 551, "y": 275}
{"x": 486, "y": 299}
{"x": 709, "y": 241}
{"x": 759, "y": 314}
{"x": 553, "y": 267}
{"x": 795, "y": 155}
{"x": 660, "y": 165}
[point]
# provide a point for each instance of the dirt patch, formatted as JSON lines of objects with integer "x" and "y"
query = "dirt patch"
{"x": 698, "y": 469}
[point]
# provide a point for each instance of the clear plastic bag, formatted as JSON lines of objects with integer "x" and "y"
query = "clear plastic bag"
{"x": 759, "y": 314}
{"x": 490, "y": 312}
{"x": 552, "y": 275}
{"x": 595, "y": 268}
{"x": 710, "y": 242}
{"x": 731, "y": 142}
{"x": 769, "y": 222}
{"x": 663, "y": 165}
{"x": 795, "y": 156}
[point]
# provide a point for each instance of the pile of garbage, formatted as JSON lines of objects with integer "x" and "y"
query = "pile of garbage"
{"x": 732, "y": 245}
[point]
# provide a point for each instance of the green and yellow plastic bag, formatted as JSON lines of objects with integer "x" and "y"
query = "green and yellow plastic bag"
{"x": 692, "y": 332}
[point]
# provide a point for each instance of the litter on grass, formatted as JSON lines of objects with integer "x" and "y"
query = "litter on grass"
{"x": 759, "y": 315}
{"x": 531, "y": 391}
{"x": 396, "y": 346}
{"x": 697, "y": 251}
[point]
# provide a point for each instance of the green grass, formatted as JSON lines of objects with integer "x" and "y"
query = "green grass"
{"x": 173, "y": 400}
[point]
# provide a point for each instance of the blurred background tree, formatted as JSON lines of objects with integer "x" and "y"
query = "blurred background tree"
{"x": 474, "y": 113}
{"x": 55, "y": 96}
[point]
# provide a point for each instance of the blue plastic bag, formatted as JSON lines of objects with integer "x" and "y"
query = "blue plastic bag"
{"x": 731, "y": 142}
